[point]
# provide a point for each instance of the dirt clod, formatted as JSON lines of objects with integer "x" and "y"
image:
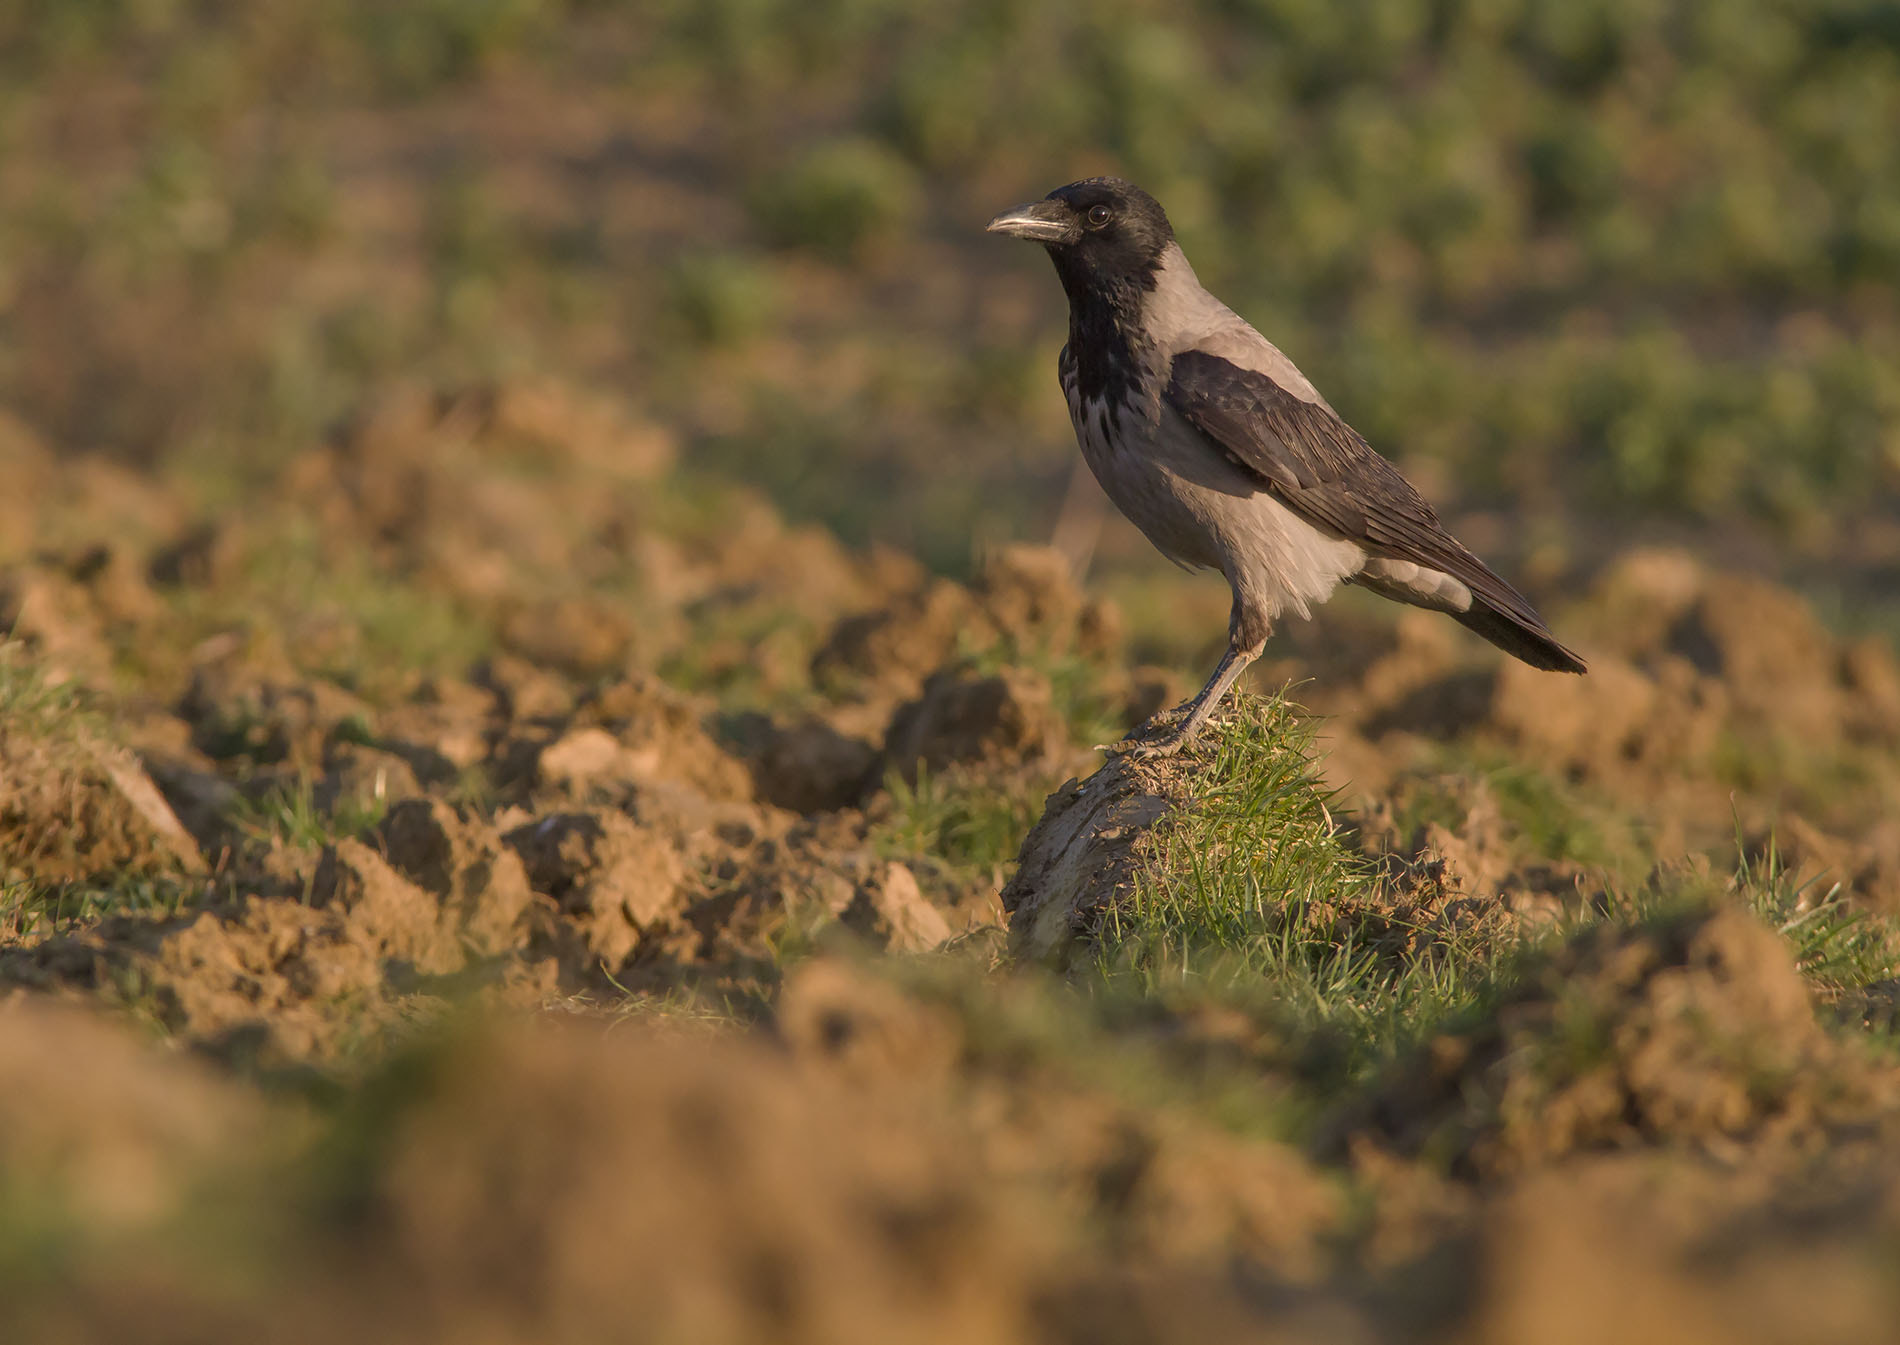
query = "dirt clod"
{"x": 1080, "y": 858}
{"x": 892, "y": 912}
{"x": 807, "y": 766}
{"x": 1003, "y": 718}
{"x": 479, "y": 882}
{"x": 95, "y": 1123}
{"x": 1694, "y": 1030}
{"x": 72, "y": 806}
{"x": 619, "y": 881}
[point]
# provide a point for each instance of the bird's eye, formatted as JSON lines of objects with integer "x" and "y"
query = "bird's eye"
{"x": 1098, "y": 216}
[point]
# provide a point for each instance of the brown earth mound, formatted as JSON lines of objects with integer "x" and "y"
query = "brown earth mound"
{"x": 96, "y": 1123}
{"x": 871, "y": 1172}
{"x": 1700, "y": 682}
{"x": 1083, "y": 856}
{"x": 1695, "y": 1030}
{"x": 74, "y": 805}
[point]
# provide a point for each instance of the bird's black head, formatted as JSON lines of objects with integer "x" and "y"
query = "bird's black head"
{"x": 1101, "y": 233}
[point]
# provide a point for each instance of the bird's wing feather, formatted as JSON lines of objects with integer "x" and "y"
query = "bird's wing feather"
{"x": 1319, "y": 467}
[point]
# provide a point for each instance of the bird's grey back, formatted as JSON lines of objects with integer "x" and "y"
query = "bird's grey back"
{"x": 1181, "y": 315}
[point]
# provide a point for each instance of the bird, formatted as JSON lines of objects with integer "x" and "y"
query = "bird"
{"x": 1215, "y": 445}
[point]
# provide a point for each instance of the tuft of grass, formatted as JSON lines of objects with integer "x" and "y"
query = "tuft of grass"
{"x": 969, "y": 822}
{"x": 1253, "y": 894}
{"x": 31, "y": 705}
{"x": 288, "y": 811}
{"x": 1842, "y": 950}
{"x": 1256, "y": 837}
{"x": 30, "y": 910}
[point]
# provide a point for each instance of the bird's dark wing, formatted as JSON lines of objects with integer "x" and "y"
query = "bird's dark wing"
{"x": 1319, "y": 467}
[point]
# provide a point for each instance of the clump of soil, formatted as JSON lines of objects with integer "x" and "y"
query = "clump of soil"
{"x": 855, "y": 1179}
{"x": 891, "y": 911}
{"x": 1024, "y": 599}
{"x": 97, "y": 1124}
{"x": 617, "y": 881}
{"x": 478, "y": 884}
{"x": 755, "y": 1190}
{"x": 74, "y": 805}
{"x": 1694, "y": 1030}
{"x": 1682, "y": 657}
{"x": 1005, "y": 718}
{"x": 806, "y": 765}
{"x": 430, "y": 894}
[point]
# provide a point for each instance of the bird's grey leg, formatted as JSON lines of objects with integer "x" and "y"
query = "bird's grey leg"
{"x": 1246, "y": 637}
{"x": 1197, "y": 711}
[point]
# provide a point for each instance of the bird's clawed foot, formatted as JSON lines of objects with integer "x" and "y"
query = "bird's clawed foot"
{"x": 1135, "y": 737}
{"x": 1165, "y": 745}
{"x": 1164, "y": 734}
{"x": 1160, "y": 735}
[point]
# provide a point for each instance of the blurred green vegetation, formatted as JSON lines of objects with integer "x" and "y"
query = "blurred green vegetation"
{"x": 1596, "y": 259}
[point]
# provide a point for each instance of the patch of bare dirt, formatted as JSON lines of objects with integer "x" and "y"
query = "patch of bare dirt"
{"x": 627, "y": 849}
{"x": 95, "y": 1122}
{"x": 429, "y": 895}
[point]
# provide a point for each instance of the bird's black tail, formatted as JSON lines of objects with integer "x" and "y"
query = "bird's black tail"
{"x": 1493, "y": 608}
{"x": 1499, "y": 612}
{"x": 1522, "y": 636}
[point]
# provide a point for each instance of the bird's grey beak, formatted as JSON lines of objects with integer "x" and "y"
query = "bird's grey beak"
{"x": 1039, "y": 222}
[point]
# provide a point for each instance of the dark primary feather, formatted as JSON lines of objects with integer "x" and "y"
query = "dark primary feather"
{"x": 1319, "y": 467}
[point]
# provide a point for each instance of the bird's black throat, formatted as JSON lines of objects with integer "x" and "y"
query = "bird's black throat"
{"x": 1114, "y": 355}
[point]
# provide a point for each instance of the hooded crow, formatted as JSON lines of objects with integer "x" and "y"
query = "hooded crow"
{"x": 1227, "y": 458}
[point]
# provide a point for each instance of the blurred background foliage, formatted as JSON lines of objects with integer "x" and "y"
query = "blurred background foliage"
{"x": 1612, "y": 267}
